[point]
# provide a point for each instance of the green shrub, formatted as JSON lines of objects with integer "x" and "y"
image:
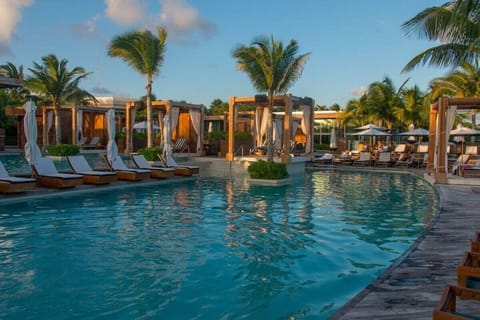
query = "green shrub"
{"x": 150, "y": 153}
{"x": 268, "y": 170}
{"x": 216, "y": 135}
{"x": 63, "y": 149}
{"x": 243, "y": 136}
{"x": 120, "y": 134}
{"x": 322, "y": 146}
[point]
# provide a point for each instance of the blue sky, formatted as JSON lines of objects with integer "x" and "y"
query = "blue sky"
{"x": 352, "y": 43}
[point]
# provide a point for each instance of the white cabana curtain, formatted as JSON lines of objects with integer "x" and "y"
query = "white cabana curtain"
{"x": 277, "y": 133}
{"x": 50, "y": 114}
{"x": 112, "y": 149}
{"x": 196, "y": 117}
{"x": 160, "y": 124}
{"x": 450, "y": 120}
{"x": 174, "y": 119}
{"x": 306, "y": 125}
{"x": 258, "y": 124}
{"x": 263, "y": 127}
{"x": 167, "y": 138}
{"x": 79, "y": 126}
{"x": 32, "y": 151}
{"x": 294, "y": 128}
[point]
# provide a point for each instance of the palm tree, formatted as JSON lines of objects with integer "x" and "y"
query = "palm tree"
{"x": 414, "y": 111}
{"x": 272, "y": 68}
{"x": 53, "y": 82}
{"x": 456, "y": 25}
{"x": 144, "y": 52}
{"x": 18, "y": 95}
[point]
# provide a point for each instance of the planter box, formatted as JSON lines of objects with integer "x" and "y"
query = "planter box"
{"x": 270, "y": 182}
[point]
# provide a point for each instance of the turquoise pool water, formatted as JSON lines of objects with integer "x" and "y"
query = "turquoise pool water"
{"x": 208, "y": 249}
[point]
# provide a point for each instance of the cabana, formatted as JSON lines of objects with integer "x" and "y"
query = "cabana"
{"x": 283, "y": 103}
{"x": 186, "y": 120}
{"x": 442, "y": 117}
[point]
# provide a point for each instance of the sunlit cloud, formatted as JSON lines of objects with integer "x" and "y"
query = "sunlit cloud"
{"x": 181, "y": 20}
{"x": 358, "y": 92}
{"x": 125, "y": 12}
{"x": 10, "y": 16}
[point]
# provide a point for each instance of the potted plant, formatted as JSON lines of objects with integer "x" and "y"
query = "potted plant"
{"x": 151, "y": 154}
{"x": 268, "y": 173}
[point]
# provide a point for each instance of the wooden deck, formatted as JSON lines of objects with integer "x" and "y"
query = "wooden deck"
{"x": 411, "y": 288}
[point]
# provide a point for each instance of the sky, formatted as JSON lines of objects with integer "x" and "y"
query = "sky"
{"x": 352, "y": 43}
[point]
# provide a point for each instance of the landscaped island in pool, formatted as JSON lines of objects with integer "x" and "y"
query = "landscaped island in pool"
{"x": 207, "y": 248}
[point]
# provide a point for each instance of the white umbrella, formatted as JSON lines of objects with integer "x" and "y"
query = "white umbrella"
{"x": 333, "y": 140}
{"x": 371, "y": 132}
{"x": 167, "y": 137}
{"x": 142, "y": 126}
{"x": 112, "y": 149}
{"x": 415, "y": 132}
{"x": 463, "y": 131}
{"x": 32, "y": 151}
{"x": 210, "y": 126}
{"x": 371, "y": 126}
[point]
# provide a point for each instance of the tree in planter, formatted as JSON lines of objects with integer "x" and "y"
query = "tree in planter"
{"x": 268, "y": 170}
{"x": 272, "y": 68}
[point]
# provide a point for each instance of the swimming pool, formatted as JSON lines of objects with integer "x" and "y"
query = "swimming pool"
{"x": 208, "y": 249}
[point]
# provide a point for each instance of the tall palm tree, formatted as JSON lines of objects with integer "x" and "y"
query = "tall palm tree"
{"x": 456, "y": 25}
{"x": 18, "y": 95}
{"x": 53, "y": 82}
{"x": 464, "y": 81}
{"x": 413, "y": 110}
{"x": 144, "y": 52}
{"x": 272, "y": 68}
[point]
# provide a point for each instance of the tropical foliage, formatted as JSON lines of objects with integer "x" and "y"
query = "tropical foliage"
{"x": 267, "y": 170}
{"x": 144, "y": 52}
{"x": 56, "y": 84}
{"x": 272, "y": 68}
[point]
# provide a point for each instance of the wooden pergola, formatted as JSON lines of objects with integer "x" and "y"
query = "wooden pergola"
{"x": 288, "y": 102}
{"x": 6, "y": 83}
{"x": 165, "y": 108}
{"x": 437, "y": 143}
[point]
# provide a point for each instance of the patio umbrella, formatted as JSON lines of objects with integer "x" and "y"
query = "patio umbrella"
{"x": 463, "y": 131}
{"x": 112, "y": 149}
{"x": 415, "y": 132}
{"x": 32, "y": 151}
{"x": 167, "y": 137}
{"x": 142, "y": 126}
{"x": 371, "y": 132}
{"x": 333, "y": 140}
{"x": 371, "y": 126}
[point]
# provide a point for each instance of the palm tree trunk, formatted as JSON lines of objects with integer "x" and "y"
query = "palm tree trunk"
{"x": 58, "y": 126}
{"x": 270, "y": 129}
{"x": 149, "y": 112}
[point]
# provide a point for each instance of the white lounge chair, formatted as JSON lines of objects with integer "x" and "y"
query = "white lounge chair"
{"x": 9, "y": 184}
{"x": 92, "y": 144}
{"x": 48, "y": 176}
{"x": 80, "y": 166}
{"x": 384, "y": 159}
{"x": 157, "y": 172}
{"x": 181, "y": 145}
{"x": 364, "y": 160}
{"x": 126, "y": 173}
{"x": 180, "y": 170}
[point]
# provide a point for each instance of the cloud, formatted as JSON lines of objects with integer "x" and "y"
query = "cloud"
{"x": 5, "y": 50}
{"x": 181, "y": 19}
{"x": 85, "y": 29}
{"x": 101, "y": 91}
{"x": 358, "y": 92}
{"x": 125, "y": 12}
{"x": 10, "y": 15}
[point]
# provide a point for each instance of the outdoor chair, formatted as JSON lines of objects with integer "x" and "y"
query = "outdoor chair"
{"x": 364, "y": 160}
{"x": 470, "y": 169}
{"x": 92, "y": 144}
{"x": 468, "y": 272}
{"x": 384, "y": 160}
{"x": 80, "y": 166}
{"x": 449, "y": 307}
{"x": 9, "y": 184}
{"x": 181, "y": 145}
{"x": 180, "y": 170}
{"x": 126, "y": 173}
{"x": 157, "y": 172}
{"x": 48, "y": 176}
{"x": 403, "y": 161}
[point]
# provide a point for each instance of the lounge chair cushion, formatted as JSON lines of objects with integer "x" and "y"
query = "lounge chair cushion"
{"x": 46, "y": 167}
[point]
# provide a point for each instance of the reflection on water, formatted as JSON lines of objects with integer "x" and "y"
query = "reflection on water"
{"x": 209, "y": 249}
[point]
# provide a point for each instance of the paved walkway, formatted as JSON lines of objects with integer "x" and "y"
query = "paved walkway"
{"x": 412, "y": 287}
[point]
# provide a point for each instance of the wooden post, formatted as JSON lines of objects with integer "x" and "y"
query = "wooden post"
{"x": 287, "y": 120}
{"x": 231, "y": 128}
{"x": 128, "y": 129}
{"x": 74, "y": 125}
{"x": 432, "y": 137}
{"x": 441, "y": 174}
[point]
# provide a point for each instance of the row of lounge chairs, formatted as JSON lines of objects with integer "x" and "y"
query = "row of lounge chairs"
{"x": 47, "y": 175}
{"x": 462, "y": 300}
